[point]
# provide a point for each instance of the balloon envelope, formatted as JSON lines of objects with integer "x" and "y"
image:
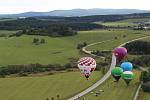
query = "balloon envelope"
{"x": 86, "y": 65}
{"x": 127, "y": 76}
{"x": 127, "y": 66}
{"x": 87, "y": 62}
{"x": 120, "y": 53}
{"x": 116, "y": 73}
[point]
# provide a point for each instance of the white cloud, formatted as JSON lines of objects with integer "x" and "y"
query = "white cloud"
{"x": 15, "y": 6}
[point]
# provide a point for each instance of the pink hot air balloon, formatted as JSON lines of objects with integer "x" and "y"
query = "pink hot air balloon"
{"x": 120, "y": 53}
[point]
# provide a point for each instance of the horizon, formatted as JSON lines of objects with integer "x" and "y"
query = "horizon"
{"x": 72, "y": 9}
{"x": 21, "y": 6}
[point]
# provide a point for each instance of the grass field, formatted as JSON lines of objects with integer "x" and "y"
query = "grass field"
{"x": 20, "y": 50}
{"x": 147, "y": 39}
{"x": 6, "y": 33}
{"x": 116, "y": 42}
{"x": 7, "y": 19}
{"x": 127, "y": 22}
{"x": 115, "y": 91}
{"x": 40, "y": 88}
{"x": 144, "y": 95}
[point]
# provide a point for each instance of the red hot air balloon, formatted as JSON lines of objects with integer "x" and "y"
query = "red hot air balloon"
{"x": 86, "y": 65}
{"x": 120, "y": 53}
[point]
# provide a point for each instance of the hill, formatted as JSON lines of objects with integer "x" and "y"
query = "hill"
{"x": 77, "y": 12}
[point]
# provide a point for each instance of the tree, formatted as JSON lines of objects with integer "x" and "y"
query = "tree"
{"x": 47, "y": 98}
{"x": 116, "y": 37}
{"x": 58, "y": 96}
{"x": 35, "y": 41}
{"x": 84, "y": 44}
{"x": 42, "y": 41}
{"x": 103, "y": 70}
{"x": 124, "y": 36}
{"x": 52, "y": 98}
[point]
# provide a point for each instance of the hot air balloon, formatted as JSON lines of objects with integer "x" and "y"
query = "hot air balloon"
{"x": 126, "y": 66}
{"x": 86, "y": 64}
{"x": 127, "y": 76}
{"x": 116, "y": 73}
{"x": 120, "y": 53}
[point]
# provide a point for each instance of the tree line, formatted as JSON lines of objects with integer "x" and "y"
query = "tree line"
{"x": 138, "y": 47}
{"x": 95, "y": 18}
{"x": 34, "y": 26}
{"x": 24, "y": 70}
{"x": 145, "y": 79}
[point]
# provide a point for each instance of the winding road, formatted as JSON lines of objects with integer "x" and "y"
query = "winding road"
{"x": 107, "y": 75}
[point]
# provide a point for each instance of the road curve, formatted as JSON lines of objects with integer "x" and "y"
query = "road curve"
{"x": 106, "y": 76}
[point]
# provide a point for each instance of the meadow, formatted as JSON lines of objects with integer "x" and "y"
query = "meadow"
{"x": 21, "y": 50}
{"x": 144, "y": 95}
{"x": 124, "y": 23}
{"x": 58, "y": 50}
{"x": 128, "y": 35}
{"x": 115, "y": 91}
{"x": 40, "y": 88}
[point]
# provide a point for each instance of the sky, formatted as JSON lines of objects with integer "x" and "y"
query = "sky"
{"x": 18, "y": 6}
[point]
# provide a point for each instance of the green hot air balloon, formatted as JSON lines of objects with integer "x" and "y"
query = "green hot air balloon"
{"x": 116, "y": 73}
{"x": 127, "y": 76}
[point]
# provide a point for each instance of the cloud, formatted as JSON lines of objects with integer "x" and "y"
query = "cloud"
{"x": 16, "y": 6}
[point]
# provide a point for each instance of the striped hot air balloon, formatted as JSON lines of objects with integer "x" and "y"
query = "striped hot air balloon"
{"x": 86, "y": 65}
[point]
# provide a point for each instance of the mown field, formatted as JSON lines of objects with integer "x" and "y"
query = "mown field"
{"x": 21, "y": 50}
{"x": 124, "y": 23}
{"x": 115, "y": 91}
{"x": 40, "y": 88}
{"x": 129, "y": 35}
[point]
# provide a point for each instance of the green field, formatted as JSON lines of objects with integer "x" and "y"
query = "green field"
{"x": 116, "y": 42}
{"x": 6, "y": 33}
{"x": 144, "y": 95}
{"x": 115, "y": 91}
{"x": 20, "y": 50}
{"x": 147, "y": 39}
{"x": 127, "y": 22}
{"x": 7, "y": 19}
{"x": 39, "y": 88}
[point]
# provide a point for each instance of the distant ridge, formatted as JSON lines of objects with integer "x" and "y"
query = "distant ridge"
{"x": 78, "y": 12}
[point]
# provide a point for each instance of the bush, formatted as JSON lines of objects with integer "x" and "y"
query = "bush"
{"x": 142, "y": 61}
{"x": 146, "y": 87}
{"x": 42, "y": 41}
{"x": 80, "y": 46}
{"x": 145, "y": 76}
{"x": 22, "y": 74}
